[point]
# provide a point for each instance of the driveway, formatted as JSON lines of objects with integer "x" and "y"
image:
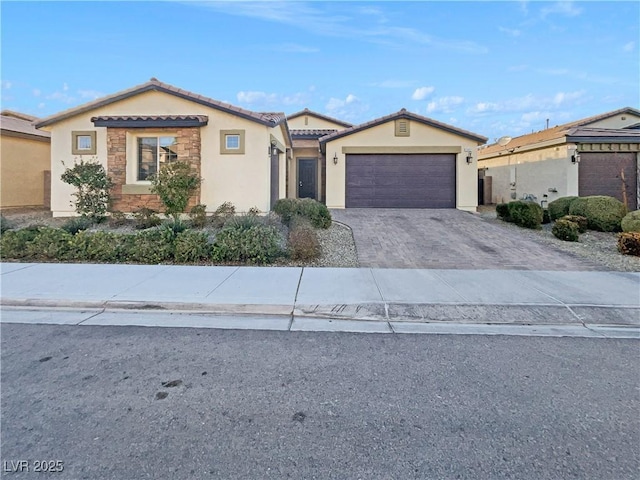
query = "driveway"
{"x": 447, "y": 238}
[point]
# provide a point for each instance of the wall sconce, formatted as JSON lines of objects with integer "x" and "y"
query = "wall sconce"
{"x": 575, "y": 157}
{"x": 469, "y": 155}
{"x": 335, "y": 158}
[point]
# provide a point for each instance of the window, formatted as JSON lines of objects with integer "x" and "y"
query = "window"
{"x": 153, "y": 153}
{"x": 83, "y": 143}
{"x": 232, "y": 141}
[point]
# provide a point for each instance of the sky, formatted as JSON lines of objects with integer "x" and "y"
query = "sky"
{"x": 493, "y": 68}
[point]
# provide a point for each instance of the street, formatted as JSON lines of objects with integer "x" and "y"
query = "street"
{"x": 140, "y": 402}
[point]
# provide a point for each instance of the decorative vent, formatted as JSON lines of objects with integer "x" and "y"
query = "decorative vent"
{"x": 402, "y": 127}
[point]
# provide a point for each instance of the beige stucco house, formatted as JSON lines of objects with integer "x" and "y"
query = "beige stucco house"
{"x": 241, "y": 155}
{"x": 592, "y": 156}
{"x": 24, "y": 162}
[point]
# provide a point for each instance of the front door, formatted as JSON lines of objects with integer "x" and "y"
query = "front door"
{"x": 307, "y": 177}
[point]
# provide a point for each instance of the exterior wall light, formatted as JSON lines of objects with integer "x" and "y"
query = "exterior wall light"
{"x": 469, "y": 155}
{"x": 335, "y": 158}
{"x": 575, "y": 158}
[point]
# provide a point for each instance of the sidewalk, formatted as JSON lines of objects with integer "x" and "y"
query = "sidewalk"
{"x": 379, "y": 299}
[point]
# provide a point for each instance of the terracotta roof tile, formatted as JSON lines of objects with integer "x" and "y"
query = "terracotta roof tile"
{"x": 306, "y": 111}
{"x": 12, "y": 123}
{"x": 311, "y": 132}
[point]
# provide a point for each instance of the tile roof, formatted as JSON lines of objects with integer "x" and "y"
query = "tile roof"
{"x": 311, "y": 132}
{"x": 306, "y": 111}
{"x": 550, "y": 134}
{"x": 11, "y": 123}
{"x": 265, "y": 118}
{"x": 607, "y": 135}
{"x": 403, "y": 114}
{"x": 23, "y": 116}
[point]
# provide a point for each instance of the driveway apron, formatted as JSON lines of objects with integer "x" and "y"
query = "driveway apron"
{"x": 447, "y": 238}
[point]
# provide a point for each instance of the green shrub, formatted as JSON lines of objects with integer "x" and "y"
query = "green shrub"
{"x": 150, "y": 246}
{"x": 629, "y": 243}
{"x": 13, "y": 244}
{"x": 257, "y": 244}
{"x": 560, "y": 207}
{"x": 502, "y": 212}
{"x": 146, "y": 218}
{"x": 582, "y": 222}
{"x": 93, "y": 187}
{"x": 223, "y": 213}
{"x": 5, "y": 224}
{"x": 565, "y": 230}
{"x": 317, "y": 213}
{"x": 192, "y": 247}
{"x": 303, "y": 240}
{"x": 77, "y": 224}
{"x": 50, "y": 244}
{"x": 631, "y": 222}
{"x": 545, "y": 216}
{"x": 525, "y": 214}
{"x": 603, "y": 213}
{"x": 98, "y": 246}
{"x": 117, "y": 219}
{"x": 243, "y": 222}
{"x": 174, "y": 184}
{"x": 198, "y": 215}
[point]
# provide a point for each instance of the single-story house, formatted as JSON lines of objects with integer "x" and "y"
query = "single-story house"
{"x": 241, "y": 155}
{"x": 25, "y": 156}
{"x": 592, "y": 156}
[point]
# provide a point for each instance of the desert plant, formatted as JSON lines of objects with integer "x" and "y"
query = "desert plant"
{"x": 92, "y": 184}
{"x": 560, "y": 207}
{"x": 198, "y": 216}
{"x": 629, "y": 243}
{"x": 254, "y": 211}
{"x": 175, "y": 183}
{"x": 257, "y": 244}
{"x": 603, "y": 213}
{"x": 581, "y": 221}
{"x": 242, "y": 222}
{"x": 525, "y": 214}
{"x": 303, "y": 240}
{"x": 223, "y": 213}
{"x": 631, "y": 222}
{"x": 565, "y": 230}
{"x": 502, "y": 212}
{"x": 146, "y": 218}
{"x": 191, "y": 246}
{"x": 77, "y": 224}
{"x": 317, "y": 213}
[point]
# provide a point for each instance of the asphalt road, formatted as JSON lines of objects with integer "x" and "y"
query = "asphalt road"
{"x": 259, "y": 405}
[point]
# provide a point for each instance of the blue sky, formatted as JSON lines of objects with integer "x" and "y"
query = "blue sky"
{"x": 494, "y": 68}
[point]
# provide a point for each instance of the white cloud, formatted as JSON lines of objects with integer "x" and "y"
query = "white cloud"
{"x": 422, "y": 93}
{"x": 444, "y": 104}
{"x": 36, "y": 92}
{"x": 61, "y": 97}
{"x": 629, "y": 47}
{"x": 65, "y": 87}
{"x": 90, "y": 94}
{"x": 510, "y": 31}
{"x": 257, "y": 99}
{"x": 527, "y": 103}
{"x": 567, "y": 9}
{"x": 41, "y": 105}
{"x": 349, "y": 108}
{"x": 6, "y": 84}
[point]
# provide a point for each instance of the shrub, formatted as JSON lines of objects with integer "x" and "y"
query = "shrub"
{"x": 146, "y": 218}
{"x": 565, "y": 230}
{"x": 629, "y": 243}
{"x": 50, "y": 244}
{"x": 13, "y": 244}
{"x": 303, "y": 240}
{"x": 257, "y": 244}
{"x": 92, "y": 188}
{"x": 5, "y": 224}
{"x": 582, "y": 222}
{"x": 174, "y": 184}
{"x": 198, "y": 215}
{"x": 560, "y": 207}
{"x": 317, "y": 213}
{"x": 98, "y": 247}
{"x": 192, "y": 247}
{"x": 243, "y": 222}
{"x": 502, "y": 212}
{"x": 603, "y": 213}
{"x": 151, "y": 246}
{"x": 545, "y": 216}
{"x": 631, "y": 222}
{"x": 75, "y": 225}
{"x": 254, "y": 211}
{"x": 525, "y": 214}
{"x": 223, "y": 213}
{"x": 117, "y": 219}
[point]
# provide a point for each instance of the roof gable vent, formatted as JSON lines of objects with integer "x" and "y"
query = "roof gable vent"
{"x": 402, "y": 127}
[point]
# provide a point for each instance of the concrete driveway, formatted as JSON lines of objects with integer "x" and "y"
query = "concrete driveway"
{"x": 447, "y": 238}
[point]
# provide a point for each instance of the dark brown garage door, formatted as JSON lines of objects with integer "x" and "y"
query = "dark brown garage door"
{"x": 609, "y": 173}
{"x": 401, "y": 181}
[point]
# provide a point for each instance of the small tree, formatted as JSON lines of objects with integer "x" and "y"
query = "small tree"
{"x": 92, "y": 184}
{"x": 174, "y": 184}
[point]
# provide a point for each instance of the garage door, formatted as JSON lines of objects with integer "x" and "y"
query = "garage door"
{"x": 609, "y": 173}
{"x": 401, "y": 181}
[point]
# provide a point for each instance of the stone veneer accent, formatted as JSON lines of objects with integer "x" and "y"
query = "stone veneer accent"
{"x": 188, "y": 151}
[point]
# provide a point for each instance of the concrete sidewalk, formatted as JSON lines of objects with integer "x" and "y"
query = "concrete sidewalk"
{"x": 377, "y": 298}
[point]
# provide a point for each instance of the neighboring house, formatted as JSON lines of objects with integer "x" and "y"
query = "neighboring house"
{"x": 308, "y": 167}
{"x": 24, "y": 162}
{"x": 592, "y": 156}
{"x": 402, "y": 160}
{"x": 240, "y": 154}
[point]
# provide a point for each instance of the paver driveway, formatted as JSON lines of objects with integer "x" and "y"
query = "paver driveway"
{"x": 447, "y": 238}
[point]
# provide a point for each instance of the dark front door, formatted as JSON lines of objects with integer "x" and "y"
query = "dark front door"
{"x": 275, "y": 177}
{"x": 307, "y": 177}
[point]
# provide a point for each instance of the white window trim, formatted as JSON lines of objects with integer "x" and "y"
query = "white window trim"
{"x": 132, "y": 154}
